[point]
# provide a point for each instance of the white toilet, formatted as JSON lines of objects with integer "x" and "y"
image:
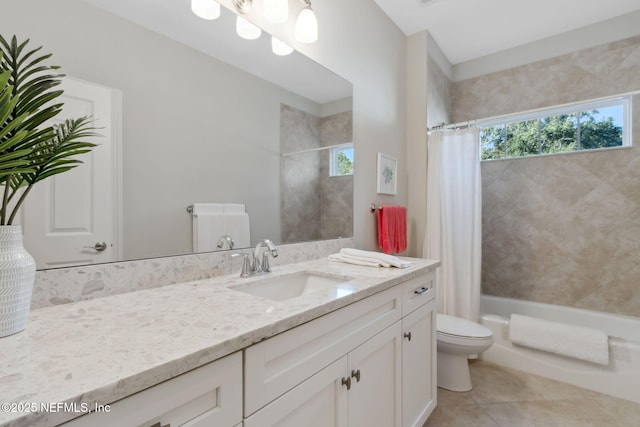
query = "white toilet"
{"x": 458, "y": 339}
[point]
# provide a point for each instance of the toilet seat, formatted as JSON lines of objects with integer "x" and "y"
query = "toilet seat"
{"x": 455, "y": 327}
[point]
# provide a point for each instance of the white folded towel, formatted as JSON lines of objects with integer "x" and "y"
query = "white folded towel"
{"x": 368, "y": 258}
{"x": 341, "y": 258}
{"x": 579, "y": 342}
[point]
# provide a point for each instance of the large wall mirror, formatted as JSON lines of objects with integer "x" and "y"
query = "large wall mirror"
{"x": 207, "y": 118}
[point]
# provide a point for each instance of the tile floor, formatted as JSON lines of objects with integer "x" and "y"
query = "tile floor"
{"x": 503, "y": 397}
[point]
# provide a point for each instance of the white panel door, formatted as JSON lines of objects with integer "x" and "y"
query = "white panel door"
{"x": 71, "y": 218}
{"x": 418, "y": 369}
{"x": 375, "y": 369}
{"x": 319, "y": 401}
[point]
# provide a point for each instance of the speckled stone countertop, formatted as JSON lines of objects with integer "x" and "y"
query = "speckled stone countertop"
{"x": 101, "y": 350}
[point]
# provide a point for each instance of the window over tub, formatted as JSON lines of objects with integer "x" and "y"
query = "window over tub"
{"x": 586, "y": 126}
{"x": 341, "y": 160}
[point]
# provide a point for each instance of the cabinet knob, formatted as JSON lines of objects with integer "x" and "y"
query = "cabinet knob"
{"x": 407, "y": 335}
{"x": 346, "y": 381}
{"x": 356, "y": 374}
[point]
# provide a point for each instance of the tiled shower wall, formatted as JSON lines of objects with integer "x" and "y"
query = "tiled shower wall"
{"x": 313, "y": 205}
{"x": 561, "y": 229}
{"x": 299, "y": 176}
{"x": 336, "y": 192}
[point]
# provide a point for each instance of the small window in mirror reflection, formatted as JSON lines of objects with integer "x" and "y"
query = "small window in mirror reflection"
{"x": 341, "y": 160}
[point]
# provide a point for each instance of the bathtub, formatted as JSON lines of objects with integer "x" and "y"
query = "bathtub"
{"x": 620, "y": 379}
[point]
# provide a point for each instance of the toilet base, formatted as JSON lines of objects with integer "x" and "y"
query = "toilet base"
{"x": 453, "y": 372}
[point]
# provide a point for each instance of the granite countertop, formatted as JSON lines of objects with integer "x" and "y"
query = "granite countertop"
{"x": 102, "y": 350}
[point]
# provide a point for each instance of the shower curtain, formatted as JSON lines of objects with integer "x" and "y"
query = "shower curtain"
{"x": 454, "y": 220}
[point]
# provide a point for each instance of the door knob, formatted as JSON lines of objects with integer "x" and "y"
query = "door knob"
{"x": 99, "y": 246}
{"x": 356, "y": 374}
{"x": 407, "y": 335}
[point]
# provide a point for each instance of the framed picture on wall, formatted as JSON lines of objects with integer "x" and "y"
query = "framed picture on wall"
{"x": 387, "y": 174}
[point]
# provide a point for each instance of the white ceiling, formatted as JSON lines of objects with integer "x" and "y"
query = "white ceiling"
{"x": 218, "y": 38}
{"x": 469, "y": 29}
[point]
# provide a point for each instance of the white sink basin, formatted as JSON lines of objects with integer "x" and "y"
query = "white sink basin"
{"x": 295, "y": 285}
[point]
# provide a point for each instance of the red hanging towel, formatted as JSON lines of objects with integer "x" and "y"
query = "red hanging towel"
{"x": 392, "y": 229}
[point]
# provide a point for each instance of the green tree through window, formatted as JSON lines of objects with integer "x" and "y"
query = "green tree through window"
{"x": 578, "y": 130}
{"x": 345, "y": 166}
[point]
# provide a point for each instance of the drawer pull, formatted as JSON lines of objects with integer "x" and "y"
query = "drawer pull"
{"x": 346, "y": 381}
{"x": 407, "y": 335}
{"x": 421, "y": 291}
{"x": 356, "y": 374}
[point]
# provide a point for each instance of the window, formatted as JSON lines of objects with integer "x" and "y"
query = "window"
{"x": 589, "y": 126}
{"x": 341, "y": 160}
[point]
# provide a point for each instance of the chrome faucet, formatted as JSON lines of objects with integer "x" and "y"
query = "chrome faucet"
{"x": 263, "y": 266}
{"x": 225, "y": 239}
{"x": 251, "y": 263}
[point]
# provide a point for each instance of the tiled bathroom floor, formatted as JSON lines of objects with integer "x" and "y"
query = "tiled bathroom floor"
{"x": 503, "y": 397}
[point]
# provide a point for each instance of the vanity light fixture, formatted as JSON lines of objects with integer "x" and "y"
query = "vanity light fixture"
{"x": 246, "y": 29}
{"x": 243, "y": 6}
{"x": 206, "y": 9}
{"x": 276, "y": 11}
{"x": 306, "y": 30}
{"x": 279, "y": 47}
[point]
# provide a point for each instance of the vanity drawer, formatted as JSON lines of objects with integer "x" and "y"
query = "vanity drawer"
{"x": 418, "y": 291}
{"x": 207, "y": 396}
{"x": 278, "y": 364}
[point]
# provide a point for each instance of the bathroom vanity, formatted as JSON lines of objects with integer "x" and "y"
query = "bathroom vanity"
{"x": 356, "y": 350}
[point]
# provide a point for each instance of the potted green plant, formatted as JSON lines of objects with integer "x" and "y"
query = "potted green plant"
{"x": 33, "y": 147}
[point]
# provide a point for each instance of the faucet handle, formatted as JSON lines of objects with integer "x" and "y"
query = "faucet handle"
{"x": 246, "y": 264}
{"x": 265, "y": 262}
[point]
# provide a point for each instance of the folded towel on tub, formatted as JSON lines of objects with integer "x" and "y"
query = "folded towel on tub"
{"x": 578, "y": 342}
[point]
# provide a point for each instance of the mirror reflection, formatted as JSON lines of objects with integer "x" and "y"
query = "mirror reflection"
{"x": 191, "y": 114}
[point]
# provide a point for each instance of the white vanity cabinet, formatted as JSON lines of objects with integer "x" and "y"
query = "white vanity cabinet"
{"x": 277, "y": 365}
{"x": 207, "y": 396}
{"x": 362, "y": 388}
{"x": 419, "y": 308}
{"x": 353, "y": 367}
{"x": 375, "y": 393}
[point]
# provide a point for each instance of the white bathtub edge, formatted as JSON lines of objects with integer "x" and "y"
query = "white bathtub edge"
{"x": 619, "y": 379}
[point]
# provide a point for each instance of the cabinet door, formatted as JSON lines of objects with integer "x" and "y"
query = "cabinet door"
{"x": 319, "y": 401}
{"x": 274, "y": 366}
{"x": 375, "y": 368}
{"x": 418, "y": 365}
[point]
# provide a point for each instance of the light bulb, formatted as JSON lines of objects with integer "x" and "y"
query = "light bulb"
{"x": 279, "y": 47}
{"x": 306, "y": 26}
{"x": 276, "y": 11}
{"x": 246, "y": 29}
{"x": 206, "y": 9}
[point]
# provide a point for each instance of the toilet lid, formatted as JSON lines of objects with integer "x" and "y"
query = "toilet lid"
{"x": 457, "y": 326}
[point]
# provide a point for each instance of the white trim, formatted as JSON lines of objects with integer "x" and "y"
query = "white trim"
{"x": 118, "y": 205}
{"x": 558, "y": 110}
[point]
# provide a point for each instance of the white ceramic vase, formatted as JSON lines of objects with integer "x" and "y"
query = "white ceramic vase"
{"x": 17, "y": 274}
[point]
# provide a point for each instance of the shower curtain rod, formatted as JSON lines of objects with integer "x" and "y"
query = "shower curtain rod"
{"x": 310, "y": 150}
{"x": 475, "y": 122}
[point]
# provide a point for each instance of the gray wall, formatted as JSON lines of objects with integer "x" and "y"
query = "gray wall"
{"x": 177, "y": 102}
{"x": 561, "y": 229}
